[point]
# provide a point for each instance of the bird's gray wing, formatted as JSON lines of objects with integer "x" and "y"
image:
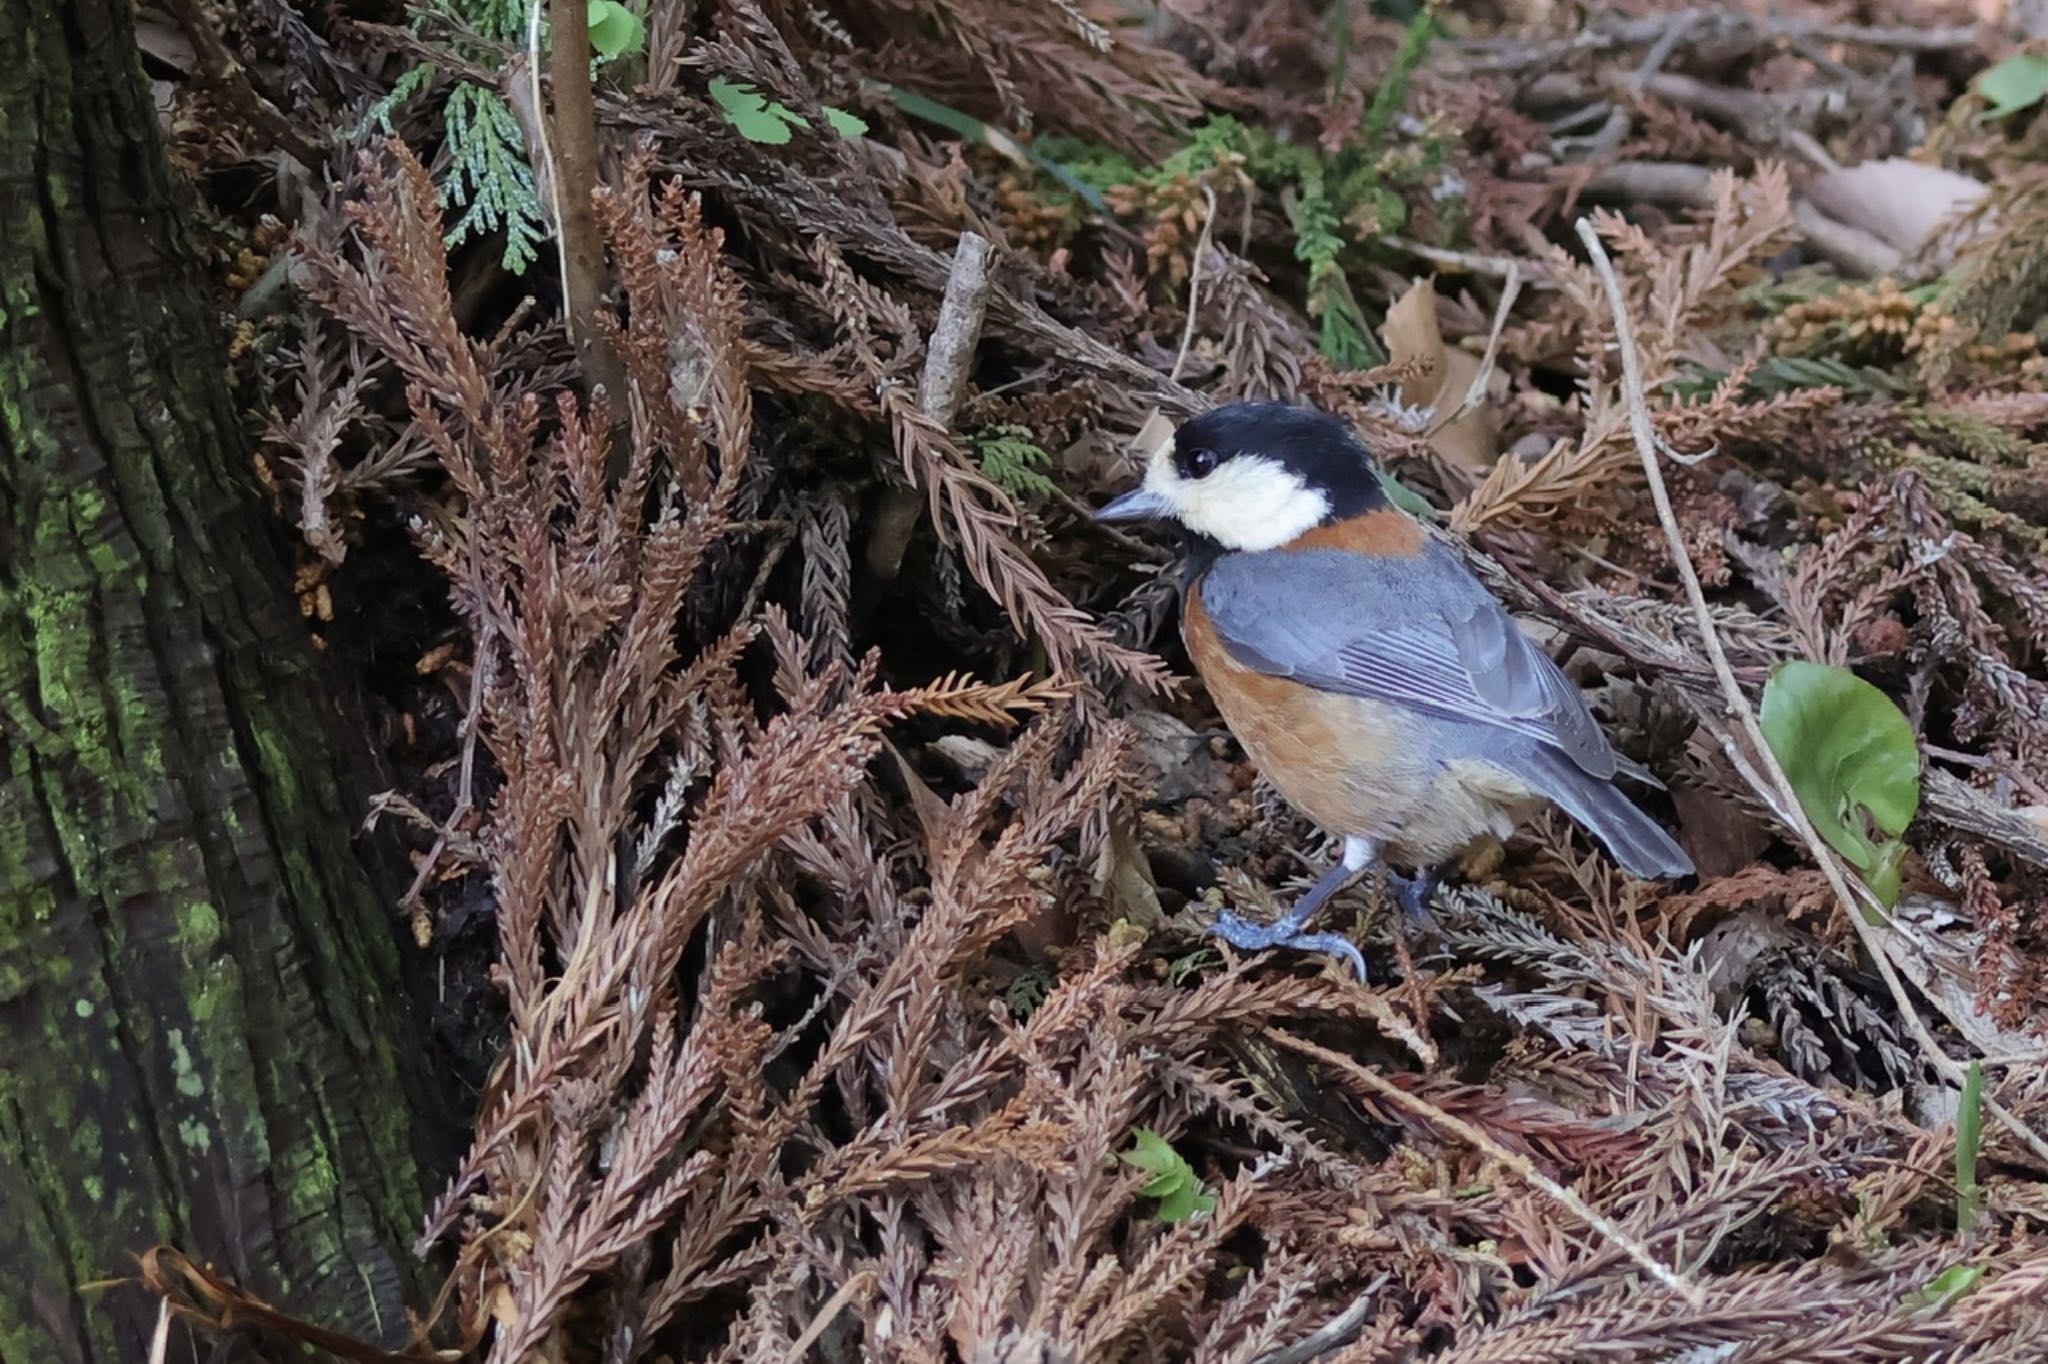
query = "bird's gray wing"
{"x": 1418, "y": 632}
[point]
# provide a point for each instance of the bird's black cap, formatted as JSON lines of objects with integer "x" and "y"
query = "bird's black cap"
{"x": 1319, "y": 448}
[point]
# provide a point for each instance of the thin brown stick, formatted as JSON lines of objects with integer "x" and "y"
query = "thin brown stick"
{"x": 465, "y": 790}
{"x": 956, "y": 336}
{"x": 1474, "y": 263}
{"x": 1475, "y": 392}
{"x": 1338, "y": 1331}
{"x": 1677, "y": 182}
{"x": 1779, "y": 792}
{"x": 1477, "y": 1138}
{"x": 948, "y": 361}
{"x": 1517, "y": 52}
{"x": 860, "y": 1283}
{"x": 572, "y": 149}
{"x": 1187, "y": 332}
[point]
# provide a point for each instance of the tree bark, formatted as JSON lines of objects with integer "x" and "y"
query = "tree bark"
{"x": 200, "y": 1002}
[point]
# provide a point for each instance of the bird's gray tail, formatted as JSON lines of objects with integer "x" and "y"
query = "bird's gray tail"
{"x": 1635, "y": 840}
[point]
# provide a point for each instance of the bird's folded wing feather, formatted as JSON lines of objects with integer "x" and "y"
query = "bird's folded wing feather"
{"x": 1419, "y": 632}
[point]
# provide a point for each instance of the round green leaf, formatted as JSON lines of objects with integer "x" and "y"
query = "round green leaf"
{"x": 1852, "y": 760}
{"x": 844, "y": 123}
{"x": 758, "y": 118}
{"x": 614, "y": 29}
{"x": 2019, "y": 82}
{"x": 1405, "y": 497}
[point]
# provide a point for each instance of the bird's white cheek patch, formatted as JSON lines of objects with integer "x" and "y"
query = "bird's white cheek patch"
{"x": 1247, "y": 504}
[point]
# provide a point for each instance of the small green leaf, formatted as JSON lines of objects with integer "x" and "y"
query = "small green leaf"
{"x": 1182, "y": 969}
{"x": 974, "y": 130}
{"x": 1164, "y": 1185}
{"x": 1185, "y": 1202}
{"x": 1405, "y": 497}
{"x": 1174, "y": 1182}
{"x": 1853, "y": 762}
{"x": 1152, "y": 1152}
{"x": 615, "y": 30}
{"x": 1013, "y": 461}
{"x": 845, "y": 124}
{"x": 757, "y": 118}
{"x": 1969, "y": 1136}
{"x": 1945, "y": 1287}
{"x": 2019, "y": 82}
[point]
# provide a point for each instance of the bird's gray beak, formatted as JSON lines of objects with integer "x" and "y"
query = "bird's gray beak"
{"x": 1139, "y": 504}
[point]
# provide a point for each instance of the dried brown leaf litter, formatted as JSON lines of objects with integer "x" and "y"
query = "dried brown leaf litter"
{"x": 813, "y": 839}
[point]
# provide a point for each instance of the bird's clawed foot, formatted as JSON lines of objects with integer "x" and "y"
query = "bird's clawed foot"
{"x": 1290, "y": 930}
{"x": 1247, "y": 936}
{"x": 1413, "y": 894}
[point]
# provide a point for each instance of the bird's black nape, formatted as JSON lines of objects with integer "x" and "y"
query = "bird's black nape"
{"x": 1318, "y": 447}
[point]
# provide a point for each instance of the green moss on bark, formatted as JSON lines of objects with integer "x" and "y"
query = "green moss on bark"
{"x": 198, "y": 990}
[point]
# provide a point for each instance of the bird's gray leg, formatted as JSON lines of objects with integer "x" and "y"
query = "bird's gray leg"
{"x": 1286, "y": 931}
{"x": 1413, "y": 894}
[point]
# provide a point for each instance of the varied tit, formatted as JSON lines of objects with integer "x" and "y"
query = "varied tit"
{"x": 1368, "y": 674}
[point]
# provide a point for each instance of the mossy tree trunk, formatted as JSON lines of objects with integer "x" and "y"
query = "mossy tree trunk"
{"x": 200, "y": 1009}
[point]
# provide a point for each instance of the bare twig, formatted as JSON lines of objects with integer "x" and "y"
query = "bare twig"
{"x": 957, "y": 335}
{"x": 1904, "y": 38}
{"x": 1481, "y": 1141}
{"x": 1849, "y": 247}
{"x": 535, "y": 117}
{"x": 160, "y": 1339}
{"x": 1338, "y": 1331}
{"x": 572, "y": 155}
{"x": 859, "y": 1285}
{"x": 1474, "y": 263}
{"x": 449, "y": 831}
{"x": 1779, "y": 791}
{"x": 1187, "y": 332}
{"x": 1475, "y": 392}
{"x": 1961, "y": 806}
{"x": 1676, "y": 182}
{"x": 1518, "y": 53}
{"x": 949, "y": 359}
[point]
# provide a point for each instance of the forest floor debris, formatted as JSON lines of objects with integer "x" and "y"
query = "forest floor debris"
{"x": 815, "y": 833}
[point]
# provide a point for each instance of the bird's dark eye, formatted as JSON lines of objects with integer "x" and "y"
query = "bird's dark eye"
{"x": 1199, "y": 462}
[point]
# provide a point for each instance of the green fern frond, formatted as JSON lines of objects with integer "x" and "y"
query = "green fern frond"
{"x": 1216, "y": 138}
{"x": 1781, "y": 374}
{"x": 1334, "y": 201}
{"x": 502, "y": 20}
{"x": 410, "y": 84}
{"x": 1013, "y": 461}
{"x": 1094, "y": 164}
{"x": 1319, "y": 244}
{"x": 491, "y": 175}
{"x": 1393, "y": 91}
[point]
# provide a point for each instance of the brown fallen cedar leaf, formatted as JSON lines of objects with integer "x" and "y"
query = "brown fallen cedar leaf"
{"x": 1720, "y": 836}
{"x": 1469, "y": 443}
{"x": 1121, "y": 875}
{"x": 212, "y": 1304}
{"x": 1936, "y": 949}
